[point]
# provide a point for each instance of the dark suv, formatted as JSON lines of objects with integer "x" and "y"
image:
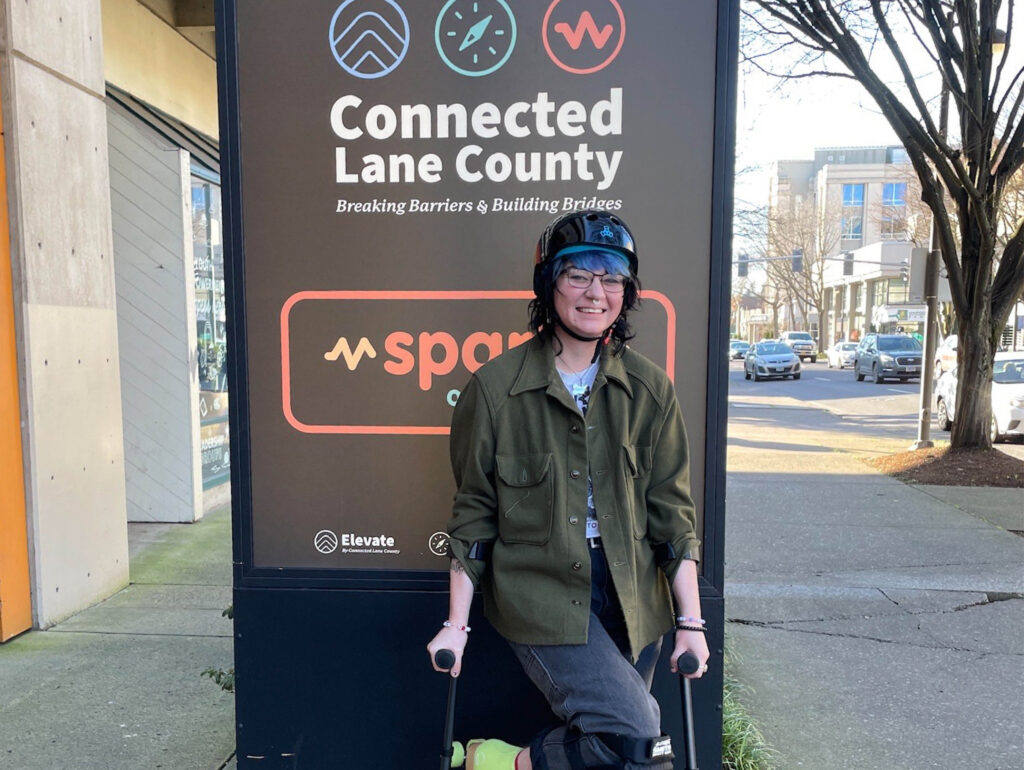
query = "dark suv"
{"x": 887, "y": 356}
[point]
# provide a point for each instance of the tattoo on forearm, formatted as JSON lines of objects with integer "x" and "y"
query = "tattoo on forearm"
{"x": 457, "y": 566}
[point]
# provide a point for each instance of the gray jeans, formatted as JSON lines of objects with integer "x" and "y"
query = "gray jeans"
{"x": 593, "y": 688}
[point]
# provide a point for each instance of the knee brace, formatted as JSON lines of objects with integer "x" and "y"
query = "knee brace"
{"x": 642, "y": 752}
{"x": 611, "y": 751}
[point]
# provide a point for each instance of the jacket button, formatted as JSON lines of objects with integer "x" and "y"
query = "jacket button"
{"x": 574, "y": 474}
{"x": 577, "y": 566}
{"x": 575, "y": 429}
{"x": 574, "y": 520}
{"x": 576, "y": 602}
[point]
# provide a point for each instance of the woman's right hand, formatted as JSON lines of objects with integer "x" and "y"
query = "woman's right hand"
{"x": 449, "y": 639}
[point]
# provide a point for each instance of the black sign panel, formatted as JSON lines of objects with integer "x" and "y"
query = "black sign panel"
{"x": 398, "y": 161}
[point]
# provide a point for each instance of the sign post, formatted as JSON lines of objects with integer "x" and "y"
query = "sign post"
{"x": 389, "y": 165}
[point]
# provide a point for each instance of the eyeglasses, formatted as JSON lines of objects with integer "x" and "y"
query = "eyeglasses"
{"x": 579, "y": 278}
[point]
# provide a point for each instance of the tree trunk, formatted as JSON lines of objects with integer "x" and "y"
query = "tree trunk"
{"x": 975, "y": 352}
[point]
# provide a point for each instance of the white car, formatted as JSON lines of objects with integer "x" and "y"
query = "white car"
{"x": 1007, "y": 397}
{"x": 841, "y": 355}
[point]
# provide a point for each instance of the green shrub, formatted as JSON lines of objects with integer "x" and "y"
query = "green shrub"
{"x": 743, "y": 745}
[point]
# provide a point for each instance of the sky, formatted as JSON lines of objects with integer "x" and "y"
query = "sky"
{"x": 789, "y": 123}
{"x": 787, "y": 120}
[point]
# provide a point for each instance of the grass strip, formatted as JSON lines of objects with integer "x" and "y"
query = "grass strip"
{"x": 743, "y": 744}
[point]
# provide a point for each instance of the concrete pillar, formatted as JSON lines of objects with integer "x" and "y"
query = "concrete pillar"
{"x": 55, "y": 134}
{"x": 851, "y": 311}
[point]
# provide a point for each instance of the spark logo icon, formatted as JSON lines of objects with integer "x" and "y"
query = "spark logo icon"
{"x": 369, "y": 38}
{"x": 352, "y": 357}
{"x": 585, "y": 26}
{"x": 584, "y": 36}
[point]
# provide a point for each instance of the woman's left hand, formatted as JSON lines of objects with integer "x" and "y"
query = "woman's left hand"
{"x": 695, "y": 642}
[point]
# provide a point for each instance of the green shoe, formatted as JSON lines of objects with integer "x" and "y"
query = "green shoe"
{"x": 493, "y": 754}
{"x": 458, "y": 754}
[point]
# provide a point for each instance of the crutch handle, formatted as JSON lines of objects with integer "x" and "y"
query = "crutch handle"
{"x": 687, "y": 662}
{"x": 445, "y": 659}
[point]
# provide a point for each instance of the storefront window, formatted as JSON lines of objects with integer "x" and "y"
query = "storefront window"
{"x": 211, "y": 336}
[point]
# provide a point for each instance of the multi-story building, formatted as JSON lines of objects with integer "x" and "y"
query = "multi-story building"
{"x": 112, "y": 394}
{"x": 867, "y": 231}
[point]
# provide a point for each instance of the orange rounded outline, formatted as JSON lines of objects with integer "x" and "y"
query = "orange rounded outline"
{"x": 602, "y": 65}
{"x": 419, "y": 430}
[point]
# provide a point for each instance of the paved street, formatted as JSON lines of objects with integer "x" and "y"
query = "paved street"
{"x": 887, "y": 410}
{"x": 877, "y": 624}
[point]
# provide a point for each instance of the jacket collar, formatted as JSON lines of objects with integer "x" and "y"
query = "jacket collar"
{"x": 538, "y": 371}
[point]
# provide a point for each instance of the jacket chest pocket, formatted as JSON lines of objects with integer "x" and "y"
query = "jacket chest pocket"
{"x": 636, "y": 470}
{"x": 525, "y": 498}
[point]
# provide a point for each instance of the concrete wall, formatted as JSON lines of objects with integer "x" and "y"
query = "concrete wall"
{"x": 149, "y": 59}
{"x": 55, "y": 133}
{"x": 152, "y": 224}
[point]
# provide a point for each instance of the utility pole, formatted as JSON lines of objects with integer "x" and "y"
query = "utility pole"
{"x": 931, "y": 290}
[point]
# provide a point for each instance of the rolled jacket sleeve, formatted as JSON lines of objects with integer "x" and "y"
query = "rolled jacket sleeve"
{"x": 671, "y": 513}
{"x": 472, "y": 457}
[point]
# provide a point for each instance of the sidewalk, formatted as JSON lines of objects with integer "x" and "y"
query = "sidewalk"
{"x": 119, "y": 685}
{"x": 878, "y": 625}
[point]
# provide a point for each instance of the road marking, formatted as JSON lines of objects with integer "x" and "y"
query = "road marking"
{"x": 823, "y": 379}
{"x": 904, "y": 392}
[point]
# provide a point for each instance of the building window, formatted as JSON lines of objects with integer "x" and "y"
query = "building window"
{"x": 853, "y": 215}
{"x": 898, "y": 155}
{"x": 894, "y": 211}
{"x": 853, "y": 228}
{"x": 211, "y": 334}
{"x": 853, "y": 195}
{"x": 897, "y": 291}
{"x": 855, "y": 297}
{"x": 878, "y": 293}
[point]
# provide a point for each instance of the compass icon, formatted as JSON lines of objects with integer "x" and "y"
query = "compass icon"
{"x": 475, "y": 37}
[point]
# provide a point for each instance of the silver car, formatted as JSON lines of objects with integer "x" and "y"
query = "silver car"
{"x": 771, "y": 359}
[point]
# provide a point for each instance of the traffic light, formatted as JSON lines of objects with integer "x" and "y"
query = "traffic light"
{"x": 741, "y": 269}
{"x": 905, "y": 271}
{"x": 798, "y": 260}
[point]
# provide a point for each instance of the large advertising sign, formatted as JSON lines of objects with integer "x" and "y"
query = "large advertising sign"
{"x": 398, "y": 161}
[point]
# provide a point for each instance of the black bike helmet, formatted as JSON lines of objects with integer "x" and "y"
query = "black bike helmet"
{"x": 600, "y": 229}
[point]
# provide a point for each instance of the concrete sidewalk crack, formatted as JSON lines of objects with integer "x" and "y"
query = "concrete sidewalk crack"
{"x": 835, "y": 634}
{"x": 228, "y": 635}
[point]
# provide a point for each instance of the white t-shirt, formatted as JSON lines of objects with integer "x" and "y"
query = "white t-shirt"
{"x": 579, "y": 387}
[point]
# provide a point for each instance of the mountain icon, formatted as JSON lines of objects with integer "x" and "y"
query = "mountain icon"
{"x": 369, "y": 38}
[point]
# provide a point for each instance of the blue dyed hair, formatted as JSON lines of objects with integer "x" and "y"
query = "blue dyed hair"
{"x": 589, "y": 258}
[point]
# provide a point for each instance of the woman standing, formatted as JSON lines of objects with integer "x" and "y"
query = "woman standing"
{"x": 573, "y": 511}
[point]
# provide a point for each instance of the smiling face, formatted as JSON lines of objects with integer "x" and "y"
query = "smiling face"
{"x": 587, "y": 312}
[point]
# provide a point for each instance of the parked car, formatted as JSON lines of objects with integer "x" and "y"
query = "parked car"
{"x": 887, "y": 356}
{"x": 738, "y": 348}
{"x": 1007, "y": 397}
{"x": 771, "y": 359}
{"x": 945, "y": 356}
{"x": 841, "y": 354}
{"x": 801, "y": 343}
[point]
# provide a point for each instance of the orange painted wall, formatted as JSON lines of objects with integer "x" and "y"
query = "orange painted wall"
{"x": 15, "y": 600}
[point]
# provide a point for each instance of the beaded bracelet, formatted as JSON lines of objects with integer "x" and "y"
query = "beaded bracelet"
{"x": 695, "y": 621}
{"x": 698, "y": 629}
{"x": 449, "y": 624}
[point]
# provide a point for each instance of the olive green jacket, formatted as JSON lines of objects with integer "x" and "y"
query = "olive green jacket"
{"x": 520, "y": 451}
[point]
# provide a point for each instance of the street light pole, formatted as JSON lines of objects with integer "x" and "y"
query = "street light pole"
{"x": 931, "y": 291}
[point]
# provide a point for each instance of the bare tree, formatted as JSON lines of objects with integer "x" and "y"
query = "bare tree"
{"x": 815, "y": 231}
{"x": 889, "y": 47}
